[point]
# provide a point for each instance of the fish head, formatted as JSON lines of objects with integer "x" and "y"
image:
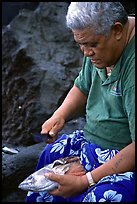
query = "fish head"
{"x": 37, "y": 181}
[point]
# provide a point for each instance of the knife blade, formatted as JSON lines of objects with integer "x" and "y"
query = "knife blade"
{"x": 38, "y": 137}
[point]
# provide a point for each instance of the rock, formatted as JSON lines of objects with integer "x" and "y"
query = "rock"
{"x": 39, "y": 64}
{"x": 18, "y": 166}
{"x": 11, "y": 9}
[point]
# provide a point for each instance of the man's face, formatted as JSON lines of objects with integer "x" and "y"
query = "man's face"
{"x": 103, "y": 51}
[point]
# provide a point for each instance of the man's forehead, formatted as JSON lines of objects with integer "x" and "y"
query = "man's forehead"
{"x": 85, "y": 36}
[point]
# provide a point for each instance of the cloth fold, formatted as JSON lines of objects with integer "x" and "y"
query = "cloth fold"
{"x": 114, "y": 188}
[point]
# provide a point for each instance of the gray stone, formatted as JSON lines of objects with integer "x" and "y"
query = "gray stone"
{"x": 39, "y": 64}
{"x": 40, "y": 61}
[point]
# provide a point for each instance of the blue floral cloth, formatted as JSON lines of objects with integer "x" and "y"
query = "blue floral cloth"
{"x": 114, "y": 188}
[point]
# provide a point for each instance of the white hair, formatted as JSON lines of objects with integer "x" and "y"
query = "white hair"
{"x": 100, "y": 16}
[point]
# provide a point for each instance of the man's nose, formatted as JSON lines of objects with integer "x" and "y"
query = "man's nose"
{"x": 87, "y": 52}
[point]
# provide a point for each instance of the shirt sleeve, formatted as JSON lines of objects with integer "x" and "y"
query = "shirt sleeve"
{"x": 83, "y": 81}
{"x": 129, "y": 97}
{"x": 129, "y": 100}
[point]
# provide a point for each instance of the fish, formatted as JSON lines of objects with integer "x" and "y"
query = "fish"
{"x": 38, "y": 182}
{"x": 8, "y": 150}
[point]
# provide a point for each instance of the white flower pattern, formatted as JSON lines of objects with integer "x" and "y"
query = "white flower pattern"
{"x": 111, "y": 196}
{"x": 59, "y": 147}
{"x": 44, "y": 197}
{"x": 90, "y": 197}
{"x": 77, "y": 145}
{"x": 117, "y": 177}
{"x": 105, "y": 155}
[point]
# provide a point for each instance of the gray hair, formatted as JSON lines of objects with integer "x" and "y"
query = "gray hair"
{"x": 100, "y": 16}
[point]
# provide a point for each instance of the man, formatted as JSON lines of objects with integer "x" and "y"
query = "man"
{"x": 105, "y": 92}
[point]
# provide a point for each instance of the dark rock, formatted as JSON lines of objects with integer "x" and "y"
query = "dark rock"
{"x": 39, "y": 64}
{"x": 11, "y": 9}
{"x": 16, "y": 167}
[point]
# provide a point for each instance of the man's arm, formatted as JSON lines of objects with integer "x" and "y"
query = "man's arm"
{"x": 73, "y": 106}
{"x": 122, "y": 162}
{"x": 71, "y": 185}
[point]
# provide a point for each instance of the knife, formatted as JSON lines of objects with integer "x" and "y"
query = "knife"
{"x": 38, "y": 137}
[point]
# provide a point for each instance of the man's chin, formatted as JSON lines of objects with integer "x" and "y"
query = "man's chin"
{"x": 99, "y": 66}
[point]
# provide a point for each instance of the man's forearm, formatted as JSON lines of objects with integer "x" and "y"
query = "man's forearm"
{"x": 73, "y": 106}
{"x": 122, "y": 162}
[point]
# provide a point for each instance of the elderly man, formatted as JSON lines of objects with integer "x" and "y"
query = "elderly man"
{"x": 105, "y": 92}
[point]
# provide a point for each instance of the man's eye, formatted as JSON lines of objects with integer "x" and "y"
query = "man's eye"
{"x": 93, "y": 45}
{"x": 88, "y": 45}
{"x": 82, "y": 44}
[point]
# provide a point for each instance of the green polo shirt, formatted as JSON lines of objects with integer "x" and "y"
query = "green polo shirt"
{"x": 110, "y": 109}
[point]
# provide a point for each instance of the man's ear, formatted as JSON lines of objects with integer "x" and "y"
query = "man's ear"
{"x": 117, "y": 30}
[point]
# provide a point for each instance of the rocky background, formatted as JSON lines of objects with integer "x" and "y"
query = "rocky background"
{"x": 40, "y": 61}
{"x": 39, "y": 64}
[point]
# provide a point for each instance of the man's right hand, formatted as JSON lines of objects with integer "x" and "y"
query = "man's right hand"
{"x": 73, "y": 106}
{"x": 52, "y": 126}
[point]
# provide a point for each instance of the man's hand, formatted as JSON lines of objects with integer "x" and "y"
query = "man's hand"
{"x": 52, "y": 126}
{"x": 69, "y": 185}
{"x": 73, "y": 106}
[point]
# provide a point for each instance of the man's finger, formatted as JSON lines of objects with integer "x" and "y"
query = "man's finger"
{"x": 53, "y": 177}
